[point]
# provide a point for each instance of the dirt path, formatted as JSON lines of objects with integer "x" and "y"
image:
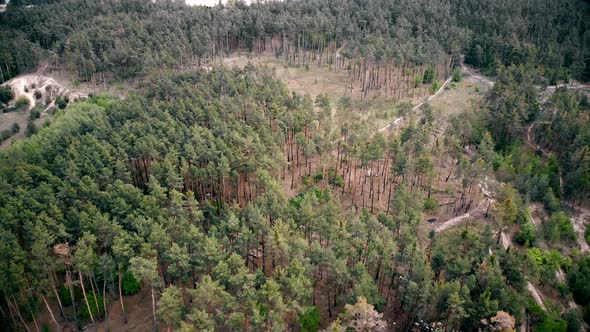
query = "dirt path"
{"x": 478, "y": 210}
{"x": 397, "y": 121}
{"x": 475, "y": 76}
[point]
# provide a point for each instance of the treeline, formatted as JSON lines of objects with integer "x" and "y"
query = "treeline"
{"x": 130, "y": 38}
{"x": 176, "y": 196}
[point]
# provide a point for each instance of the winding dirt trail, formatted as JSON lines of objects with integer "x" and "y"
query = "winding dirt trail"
{"x": 397, "y": 121}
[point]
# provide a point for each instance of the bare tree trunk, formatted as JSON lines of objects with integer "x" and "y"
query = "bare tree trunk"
{"x": 86, "y": 298}
{"x": 51, "y": 313}
{"x": 95, "y": 298}
{"x": 61, "y": 309}
{"x": 121, "y": 298}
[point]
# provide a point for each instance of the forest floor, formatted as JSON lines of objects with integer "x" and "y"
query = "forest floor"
{"x": 313, "y": 81}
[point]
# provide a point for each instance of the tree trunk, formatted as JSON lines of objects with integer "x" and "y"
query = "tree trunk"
{"x": 86, "y": 298}
{"x": 51, "y": 313}
{"x": 121, "y": 297}
{"x": 15, "y": 306}
{"x": 95, "y": 298}
{"x": 154, "y": 309}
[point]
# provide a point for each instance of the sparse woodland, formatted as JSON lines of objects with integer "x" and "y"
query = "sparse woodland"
{"x": 219, "y": 200}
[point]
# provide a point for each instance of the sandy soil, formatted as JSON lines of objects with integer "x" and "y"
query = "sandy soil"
{"x": 580, "y": 221}
{"x": 49, "y": 87}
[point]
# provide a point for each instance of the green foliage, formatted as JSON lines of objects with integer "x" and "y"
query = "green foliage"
{"x": 170, "y": 307}
{"x": 551, "y": 202}
{"x": 15, "y": 128}
{"x": 434, "y": 87}
{"x": 31, "y": 129}
{"x": 559, "y": 228}
{"x": 551, "y": 323}
{"x": 34, "y": 114}
{"x": 6, "y": 94}
{"x": 83, "y": 309}
{"x": 4, "y": 135}
{"x": 337, "y": 181}
{"x": 418, "y": 81}
{"x": 431, "y": 204}
{"x": 129, "y": 285}
{"x": 429, "y": 75}
{"x": 318, "y": 177}
{"x": 38, "y": 94}
{"x": 527, "y": 235}
{"x": 22, "y": 102}
{"x": 457, "y": 75}
{"x": 309, "y": 319}
{"x": 579, "y": 281}
{"x": 61, "y": 102}
{"x": 574, "y": 323}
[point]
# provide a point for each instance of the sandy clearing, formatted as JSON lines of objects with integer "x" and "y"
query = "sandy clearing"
{"x": 22, "y": 86}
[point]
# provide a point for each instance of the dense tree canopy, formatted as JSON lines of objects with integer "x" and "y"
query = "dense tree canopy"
{"x": 131, "y": 37}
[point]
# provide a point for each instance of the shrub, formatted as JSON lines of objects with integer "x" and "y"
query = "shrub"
{"x": 417, "y": 81}
{"x": 551, "y": 202}
{"x": 15, "y": 128}
{"x": 61, "y": 102}
{"x": 83, "y": 309}
{"x": 431, "y": 204}
{"x": 428, "y": 75}
{"x": 318, "y": 177}
{"x": 559, "y": 228}
{"x": 6, "y": 94}
{"x": 21, "y": 102}
{"x": 573, "y": 321}
{"x": 38, "y": 94}
{"x": 526, "y": 236}
{"x": 66, "y": 297}
{"x": 306, "y": 180}
{"x": 338, "y": 181}
{"x": 31, "y": 129}
{"x": 35, "y": 114}
{"x": 4, "y": 135}
{"x": 434, "y": 87}
{"x": 457, "y": 75}
{"x": 310, "y": 319}
{"x": 579, "y": 281}
{"x": 129, "y": 285}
